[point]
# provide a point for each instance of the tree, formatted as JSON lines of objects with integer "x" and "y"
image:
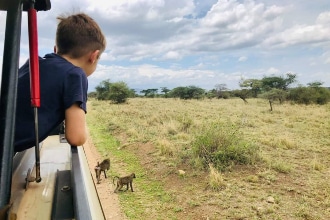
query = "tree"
{"x": 103, "y": 89}
{"x": 189, "y": 92}
{"x": 254, "y": 85}
{"x": 165, "y": 90}
{"x": 278, "y": 82}
{"x": 245, "y": 92}
{"x": 179, "y": 92}
{"x": 220, "y": 90}
{"x": 92, "y": 94}
{"x": 132, "y": 93}
{"x": 151, "y": 93}
{"x": 290, "y": 78}
{"x": 242, "y": 94}
{"x": 315, "y": 84}
{"x": 272, "y": 82}
{"x": 119, "y": 92}
{"x": 211, "y": 94}
{"x": 274, "y": 94}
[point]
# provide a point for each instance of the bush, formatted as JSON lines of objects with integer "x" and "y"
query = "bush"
{"x": 274, "y": 94}
{"x": 119, "y": 92}
{"x": 310, "y": 95}
{"x": 189, "y": 92}
{"x": 223, "y": 146}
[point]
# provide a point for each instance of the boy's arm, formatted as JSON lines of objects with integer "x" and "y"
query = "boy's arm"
{"x": 75, "y": 125}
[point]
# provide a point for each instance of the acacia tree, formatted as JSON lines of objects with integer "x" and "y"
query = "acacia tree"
{"x": 151, "y": 93}
{"x": 278, "y": 82}
{"x": 254, "y": 85}
{"x": 165, "y": 90}
{"x": 274, "y": 94}
{"x": 315, "y": 84}
{"x": 242, "y": 94}
{"x": 189, "y": 92}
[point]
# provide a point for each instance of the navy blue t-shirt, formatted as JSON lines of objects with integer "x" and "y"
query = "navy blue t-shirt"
{"x": 61, "y": 85}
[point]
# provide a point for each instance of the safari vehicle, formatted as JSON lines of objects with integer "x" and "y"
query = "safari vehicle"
{"x": 51, "y": 180}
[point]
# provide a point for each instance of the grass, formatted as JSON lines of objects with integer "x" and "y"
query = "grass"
{"x": 156, "y": 137}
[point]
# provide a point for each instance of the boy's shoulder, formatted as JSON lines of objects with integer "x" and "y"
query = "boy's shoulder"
{"x": 53, "y": 57}
{"x": 56, "y": 60}
{"x": 53, "y": 64}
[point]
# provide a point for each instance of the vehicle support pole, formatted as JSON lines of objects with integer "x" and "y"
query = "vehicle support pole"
{"x": 34, "y": 78}
{"x": 8, "y": 97}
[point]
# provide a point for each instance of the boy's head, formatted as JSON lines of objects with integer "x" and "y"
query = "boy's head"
{"x": 78, "y": 35}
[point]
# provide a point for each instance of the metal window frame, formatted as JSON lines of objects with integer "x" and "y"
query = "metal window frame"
{"x": 8, "y": 96}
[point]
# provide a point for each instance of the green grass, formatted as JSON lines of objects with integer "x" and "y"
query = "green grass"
{"x": 149, "y": 189}
{"x": 157, "y": 137}
{"x": 223, "y": 145}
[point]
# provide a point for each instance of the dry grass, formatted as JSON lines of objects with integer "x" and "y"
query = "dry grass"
{"x": 294, "y": 172}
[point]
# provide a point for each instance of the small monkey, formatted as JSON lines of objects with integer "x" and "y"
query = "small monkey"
{"x": 103, "y": 166}
{"x": 126, "y": 180}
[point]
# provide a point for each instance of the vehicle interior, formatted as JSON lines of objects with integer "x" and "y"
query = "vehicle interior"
{"x": 51, "y": 180}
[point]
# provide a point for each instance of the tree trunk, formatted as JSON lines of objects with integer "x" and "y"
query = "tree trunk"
{"x": 270, "y": 104}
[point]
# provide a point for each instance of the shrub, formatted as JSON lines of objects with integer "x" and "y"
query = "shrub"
{"x": 309, "y": 95}
{"x": 119, "y": 92}
{"x": 223, "y": 146}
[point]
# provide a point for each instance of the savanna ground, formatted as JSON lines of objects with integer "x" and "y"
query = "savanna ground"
{"x": 154, "y": 138}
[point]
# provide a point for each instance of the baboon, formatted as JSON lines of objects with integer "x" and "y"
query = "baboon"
{"x": 124, "y": 181}
{"x": 103, "y": 166}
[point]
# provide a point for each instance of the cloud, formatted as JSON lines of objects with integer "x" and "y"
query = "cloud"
{"x": 273, "y": 70}
{"x": 242, "y": 58}
{"x": 147, "y": 76}
{"x": 133, "y": 27}
{"x": 198, "y": 42}
{"x": 319, "y": 32}
{"x": 172, "y": 55}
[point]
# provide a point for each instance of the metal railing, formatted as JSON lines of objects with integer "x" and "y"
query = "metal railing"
{"x": 8, "y": 96}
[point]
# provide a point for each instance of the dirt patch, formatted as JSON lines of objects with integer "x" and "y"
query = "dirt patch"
{"x": 109, "y": 200}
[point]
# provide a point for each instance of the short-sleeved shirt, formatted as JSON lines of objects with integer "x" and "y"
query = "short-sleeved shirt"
{"x": 61, "y": 85}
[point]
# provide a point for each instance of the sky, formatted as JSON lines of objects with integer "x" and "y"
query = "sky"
{"x": 171, "y": 43}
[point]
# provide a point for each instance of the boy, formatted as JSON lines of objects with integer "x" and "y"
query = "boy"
{"x": 63, "y": 83}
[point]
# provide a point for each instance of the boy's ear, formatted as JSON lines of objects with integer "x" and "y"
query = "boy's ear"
{"x": 94, "y": 56}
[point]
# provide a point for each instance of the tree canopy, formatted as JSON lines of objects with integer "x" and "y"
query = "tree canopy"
{"x": 269, "y": 87}
{"x": 117, "y": 92}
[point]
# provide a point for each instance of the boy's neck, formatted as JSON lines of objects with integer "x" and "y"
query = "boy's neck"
{"x": 75, "y": 61}
{"x": 79, "y": 62}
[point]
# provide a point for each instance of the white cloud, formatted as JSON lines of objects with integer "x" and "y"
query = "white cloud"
{"x": 323, "y": 18}
{"x": 242, "y": 58}
{"x": 142, "y": 75}
{"x": 172, "y": 55}
{"x": 199, "y": 42}
{"x": 273, "y": 70}
{"x": 303, "y": 34}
